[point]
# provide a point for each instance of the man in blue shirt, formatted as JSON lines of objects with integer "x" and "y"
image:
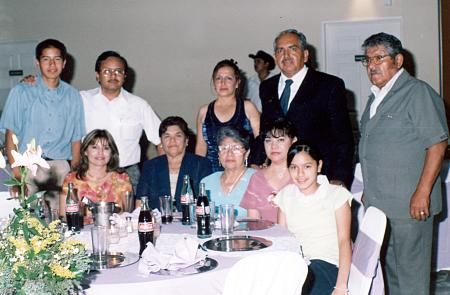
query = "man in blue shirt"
{"x": 51, "y": 111}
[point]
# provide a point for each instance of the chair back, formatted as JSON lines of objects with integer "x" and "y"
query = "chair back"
{"x": 7, "y": 205}
{"x": 276, "y": 272}
{"x": 365, "y": 271}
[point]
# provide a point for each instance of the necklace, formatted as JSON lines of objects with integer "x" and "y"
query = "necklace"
{"x": 231, "y": 187}
{"x": 95, "y": 178}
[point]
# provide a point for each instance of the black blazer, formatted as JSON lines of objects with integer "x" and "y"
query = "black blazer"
{"x": 155, "y": 182}
{"x": 319, "y": 113}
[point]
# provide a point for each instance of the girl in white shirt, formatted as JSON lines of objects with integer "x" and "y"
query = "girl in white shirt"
{"x": 318, "y": 213}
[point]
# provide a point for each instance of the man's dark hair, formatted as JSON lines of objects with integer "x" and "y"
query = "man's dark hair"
{"x": 390, "y": 42}
{"x": 102, "y": 57}
{"x": 51, "y": 43}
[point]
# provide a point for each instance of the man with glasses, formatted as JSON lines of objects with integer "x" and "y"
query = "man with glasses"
{"x": 51, "y": 112}
{"x": 403, "y": 140}
{"x": 123, "y": 114}
{"x": 313, "y": 101}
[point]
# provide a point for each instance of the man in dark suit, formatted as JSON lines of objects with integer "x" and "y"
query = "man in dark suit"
{"x": 315, "y": 102}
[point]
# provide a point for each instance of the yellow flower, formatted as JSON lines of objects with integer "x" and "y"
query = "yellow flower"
{"x": 36, "y": 224}
{"x": 36, "y": 244}
{"x": 61, "y": 271}
{"x": 20, "y": 244}
{"x": 17, "y": 265}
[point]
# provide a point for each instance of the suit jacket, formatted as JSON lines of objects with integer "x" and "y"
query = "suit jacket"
{"x": 319, "y": 113}
{"x": 155, "y": 182}
{"x": 393, "y": 145}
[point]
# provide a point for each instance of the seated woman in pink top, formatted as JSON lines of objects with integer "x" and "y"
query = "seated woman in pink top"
{"x": 265, "y": 183}
{"x": 98, "y": 177}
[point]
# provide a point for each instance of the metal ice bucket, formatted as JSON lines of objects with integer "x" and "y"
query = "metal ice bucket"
{"x": 102, "y": 211}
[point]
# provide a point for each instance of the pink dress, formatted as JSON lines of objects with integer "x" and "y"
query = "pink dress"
{"x": 259, "y": 196}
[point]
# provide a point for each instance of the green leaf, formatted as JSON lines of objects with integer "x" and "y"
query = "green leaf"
{"x": 12, "y": 182}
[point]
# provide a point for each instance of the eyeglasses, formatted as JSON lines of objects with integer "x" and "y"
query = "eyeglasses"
{"x": 110, "y": 72}
{"x": 377, "y": 60}
{"x": 235, "y": 148}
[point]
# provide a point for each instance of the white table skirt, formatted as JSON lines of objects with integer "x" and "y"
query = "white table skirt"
{"x": 127, "y": 280}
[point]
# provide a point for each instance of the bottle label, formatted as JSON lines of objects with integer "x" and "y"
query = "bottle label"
{"x": 199, "y": 211}
{"x": 145, "y": 227}
{"x": 72, "y": 208}
{"x": 202, "y": 210}
{"x": 184, "y": 199}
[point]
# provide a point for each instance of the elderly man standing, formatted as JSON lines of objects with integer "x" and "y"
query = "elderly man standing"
{"x": 51, "y": 111}
{"x": 313, "y": 101}
{"x": 403, "y": 139}
{"x": 123, "y": 114}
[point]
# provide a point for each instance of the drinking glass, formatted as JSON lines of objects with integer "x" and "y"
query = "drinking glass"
{"x": 100, "y": 245}
{"x": 192, "y": 215}
{"x": 166, "y": 207}
{"x": 227, "y": 219}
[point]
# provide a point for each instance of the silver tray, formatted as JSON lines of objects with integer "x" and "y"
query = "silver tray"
{"x": 199, "y": 267}
{"x": 237, "y": 243}
{"x": 253, "y": 224}
{"x": 114, "y": 260}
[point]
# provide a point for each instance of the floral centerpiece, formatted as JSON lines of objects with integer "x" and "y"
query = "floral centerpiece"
{"x": 34, "y": 256}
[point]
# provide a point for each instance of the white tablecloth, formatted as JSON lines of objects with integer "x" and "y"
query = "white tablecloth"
{"x": 127, "y": 280}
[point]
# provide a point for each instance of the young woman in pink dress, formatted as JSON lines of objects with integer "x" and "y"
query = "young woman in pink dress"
{"x": 265, "y": 183}
{"x": 98, "y": 177}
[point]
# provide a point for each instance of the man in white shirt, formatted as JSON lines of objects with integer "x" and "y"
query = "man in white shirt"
{"x": 263, "y": 63}
{"x": 123, "y": 114}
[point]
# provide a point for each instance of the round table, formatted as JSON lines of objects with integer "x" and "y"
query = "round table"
{"x": 127, "y": 280}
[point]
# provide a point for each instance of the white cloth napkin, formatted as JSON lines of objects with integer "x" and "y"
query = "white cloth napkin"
{"x": 186, "y": 254}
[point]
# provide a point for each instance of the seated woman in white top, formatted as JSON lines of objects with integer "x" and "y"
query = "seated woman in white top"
{"x": 318, "y": 213}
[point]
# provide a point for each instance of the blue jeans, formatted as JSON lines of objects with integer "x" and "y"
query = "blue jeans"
{"x": 321, "y": 278}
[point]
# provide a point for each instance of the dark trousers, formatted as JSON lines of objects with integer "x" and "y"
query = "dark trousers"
{"x": 407, "y": 260}
{"x": 321, "y": 278}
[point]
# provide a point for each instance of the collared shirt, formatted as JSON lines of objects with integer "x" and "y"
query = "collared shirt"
{"x": 125, "y": 117}
{"x": 54, "y": 117}
{"x": 297, "y": 78}
{"x": 381, "y": 93}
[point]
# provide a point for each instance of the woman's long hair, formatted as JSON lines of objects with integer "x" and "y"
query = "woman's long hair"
{"x": 90, "y": 139}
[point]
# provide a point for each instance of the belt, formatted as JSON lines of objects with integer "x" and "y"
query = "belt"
{"x": 47, "y": 159}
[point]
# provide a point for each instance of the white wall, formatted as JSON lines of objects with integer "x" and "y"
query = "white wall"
{"x": 173, "y": 45}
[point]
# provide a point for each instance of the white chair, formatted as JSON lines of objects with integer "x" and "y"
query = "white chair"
{"x": 365, "y": 271}
{"x": 277, "y": 272}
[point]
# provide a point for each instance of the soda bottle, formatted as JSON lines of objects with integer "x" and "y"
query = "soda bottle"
{"x": 72, "y": 210}
{"x": 203, "y": 214}
{"x": 186, "y": 198}
{"x": 145, "y": 225}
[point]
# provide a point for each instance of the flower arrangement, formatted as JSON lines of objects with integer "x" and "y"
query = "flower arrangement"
{"x": 34, "y": 256}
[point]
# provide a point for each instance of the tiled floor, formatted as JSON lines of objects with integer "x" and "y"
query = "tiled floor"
{"x": 440, "y": 283}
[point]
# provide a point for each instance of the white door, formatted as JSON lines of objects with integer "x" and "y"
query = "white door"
{"x": 342, "y": 42}
{"x": 16, "y": 60}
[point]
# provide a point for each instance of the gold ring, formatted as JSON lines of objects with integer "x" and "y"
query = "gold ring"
{"x": 422, "y": 213}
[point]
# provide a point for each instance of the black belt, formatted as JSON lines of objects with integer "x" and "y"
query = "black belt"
{"x": 47, "y": 159}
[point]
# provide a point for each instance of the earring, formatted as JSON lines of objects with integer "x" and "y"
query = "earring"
{"x": 220, "y": 164}
{"x": 245, "y": 162}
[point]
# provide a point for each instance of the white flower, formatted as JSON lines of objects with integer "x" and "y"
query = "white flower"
{"x": 30, "y": 159}
{"x": 2, "y": 161}
{"x": 15, "y": 139}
